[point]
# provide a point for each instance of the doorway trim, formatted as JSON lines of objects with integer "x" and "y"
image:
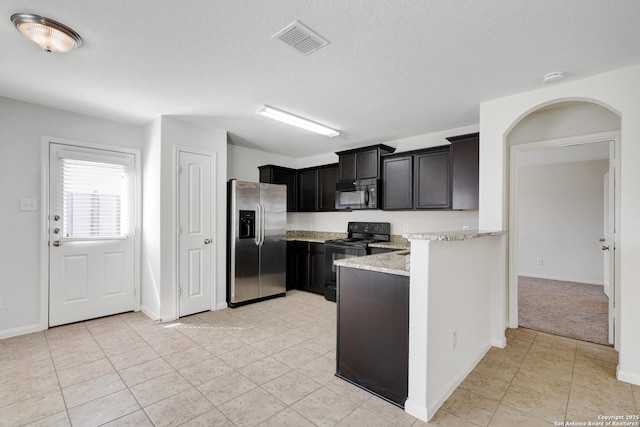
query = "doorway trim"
{"x": 44, "y": 217}
{"x": 515, "y": 150}
{"x": 176, "y": 223}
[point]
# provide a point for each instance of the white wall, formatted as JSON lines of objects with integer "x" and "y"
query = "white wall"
{"x": 243, "y": 163}
{"x": 22, "y": 126}
{"x": 151, "y": 217}
{"x": 620, "y": 91}
{"x": 561, "y": 218}
{"x": 563, "y": 120}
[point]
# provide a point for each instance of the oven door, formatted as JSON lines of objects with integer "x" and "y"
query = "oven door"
{"x": 334, "y": 253}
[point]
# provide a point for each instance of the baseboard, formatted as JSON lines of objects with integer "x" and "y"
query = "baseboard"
{"x": 423, "y": 413}
{"x": 149, "y": 313}
{"x": 562, "y": 279}
{"x": 628, "y": 377}
{"x": 418, "y": 410}
{"x": 221, "y": 306}
{"x": 22, "y": 330}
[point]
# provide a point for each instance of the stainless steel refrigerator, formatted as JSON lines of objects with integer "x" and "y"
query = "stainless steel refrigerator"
{"x": 256, "y": 241}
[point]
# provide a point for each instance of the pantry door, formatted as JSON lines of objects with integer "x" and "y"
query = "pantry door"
{"x": 91, "y": 233}
{"x": 195, "y": 240}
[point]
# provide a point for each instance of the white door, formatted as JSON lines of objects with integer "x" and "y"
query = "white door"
{"x": 91, "y": 229}
{"x": 194, "y": 227}
{"x": 608, "y": 244}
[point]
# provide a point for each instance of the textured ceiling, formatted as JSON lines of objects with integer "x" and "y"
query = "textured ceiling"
{"x": 393, "y": 69}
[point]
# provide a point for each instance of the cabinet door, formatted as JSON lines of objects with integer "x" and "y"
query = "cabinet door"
{"x": 327, "y": 178}
{"x": 287, "y": 178}
{"x": 308, "y": 190}
{"x": 432, "y": 180}
{"x": 397, "y": 183}
{"x": 367, "y": 164}
{"x": 347, "y": 167}
{"x": 316, "y": 264}
{"x": 292, "y": 265}
{"x": 302, "y": 265}
{"x": 465, "y": 173}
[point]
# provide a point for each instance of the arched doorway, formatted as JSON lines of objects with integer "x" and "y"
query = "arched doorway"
{"x": 556, "y": 167}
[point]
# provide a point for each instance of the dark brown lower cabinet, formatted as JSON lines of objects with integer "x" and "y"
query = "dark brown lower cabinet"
{"x": 305, "y": 266}
{"x": 373, "y": 332}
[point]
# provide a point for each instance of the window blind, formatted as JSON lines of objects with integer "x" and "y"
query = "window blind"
{"x": 95, "y": 199}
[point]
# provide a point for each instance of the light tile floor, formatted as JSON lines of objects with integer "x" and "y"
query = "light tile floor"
{"x": 273, "y": 364}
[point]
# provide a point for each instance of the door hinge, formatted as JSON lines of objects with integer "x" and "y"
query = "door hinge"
{"x": 179, "y": 291}
{"x": 179, "y": 169}
{"x": 135, "y": 293}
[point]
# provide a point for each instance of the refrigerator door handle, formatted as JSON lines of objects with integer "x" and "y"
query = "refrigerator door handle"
{"x": 263, "y": 223}
{"x": 258, "y": 227}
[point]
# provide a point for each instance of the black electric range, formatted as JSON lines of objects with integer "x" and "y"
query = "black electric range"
{"x": 359, "y": 236}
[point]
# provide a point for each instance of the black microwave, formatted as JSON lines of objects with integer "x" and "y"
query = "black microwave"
{"x": 361, "y": 194}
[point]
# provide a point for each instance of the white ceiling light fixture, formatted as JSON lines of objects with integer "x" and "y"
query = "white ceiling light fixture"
{"x": 50, "y": 35}
{"x": 293, "y": 120}
{"x": 556, "y": 76}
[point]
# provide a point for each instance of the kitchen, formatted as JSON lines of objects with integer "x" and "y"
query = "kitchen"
{"x": 27, "y": 122}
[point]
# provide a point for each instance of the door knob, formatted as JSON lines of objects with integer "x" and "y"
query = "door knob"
{"x": 56, "y": 243}
{"x": 601, "y": 240}
{"x": 56, "y": 217}
{"x": 605, "y": 248}
{"x": 207, "y": 241}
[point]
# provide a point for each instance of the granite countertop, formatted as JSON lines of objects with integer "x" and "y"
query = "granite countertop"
{"x": 391, "y": 263}
{"x": 313, "y": 236}
{"x": 450, "y": 236}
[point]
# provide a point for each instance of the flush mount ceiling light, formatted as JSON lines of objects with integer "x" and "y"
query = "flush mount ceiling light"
{"x": 290, "y": 119}
{"x": 556, "y": 76}
{"x": 50, "y": 35}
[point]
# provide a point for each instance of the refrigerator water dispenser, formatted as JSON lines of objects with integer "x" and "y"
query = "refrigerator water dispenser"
{"x": 247, "y": 225}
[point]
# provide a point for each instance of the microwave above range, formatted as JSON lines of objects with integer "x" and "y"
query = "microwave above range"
{"x": 359, "y": 194}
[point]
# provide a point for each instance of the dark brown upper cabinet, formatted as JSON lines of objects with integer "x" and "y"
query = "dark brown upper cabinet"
{"x": 271, "y": 174}
{"x": 465, "y": 163}
{"x": 361, "y": 163}
{"x": 432, "y": 180}
{"x": 327, "y": 179}
{"x": 317, "y": 188}
{"x": 397, "y": 182}
{"x": 444, "y": 177}
{"x": 417, "y": 180}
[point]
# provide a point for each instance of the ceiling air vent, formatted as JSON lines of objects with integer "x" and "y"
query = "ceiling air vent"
{"x": 301, "y": 38}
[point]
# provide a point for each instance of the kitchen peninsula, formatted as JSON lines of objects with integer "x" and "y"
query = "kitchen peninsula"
{"x": 455, "y": 309}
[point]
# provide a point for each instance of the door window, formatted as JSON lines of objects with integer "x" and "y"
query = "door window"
{"x": 94, "y": 197}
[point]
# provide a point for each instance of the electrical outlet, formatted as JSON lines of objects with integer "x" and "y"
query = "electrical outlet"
{"x": 405, "y": 228}
{"x": 454, "y": 340}
{"x": 539, "y": 261}
{"x": 465, "y": 227}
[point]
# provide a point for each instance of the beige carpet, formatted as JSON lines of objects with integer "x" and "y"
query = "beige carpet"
{"x": 568, "y": 309}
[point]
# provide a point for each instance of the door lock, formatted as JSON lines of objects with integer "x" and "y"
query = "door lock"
{"x": 56, "y": 231}
{"x": 56, "y": 217}
{"x": 56, "y": 243}
{"x": 207, "y": 241}
{"x": 605, "y": 248}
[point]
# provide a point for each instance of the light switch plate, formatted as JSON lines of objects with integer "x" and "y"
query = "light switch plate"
{"x": 28, "y": 204}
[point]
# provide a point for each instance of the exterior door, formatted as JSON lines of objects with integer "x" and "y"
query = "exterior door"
{"x": 195, "y": 239}
{"x": 91, "y": 233}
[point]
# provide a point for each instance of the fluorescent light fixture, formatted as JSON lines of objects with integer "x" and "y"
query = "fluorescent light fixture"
{"x": 290, "y": 119}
